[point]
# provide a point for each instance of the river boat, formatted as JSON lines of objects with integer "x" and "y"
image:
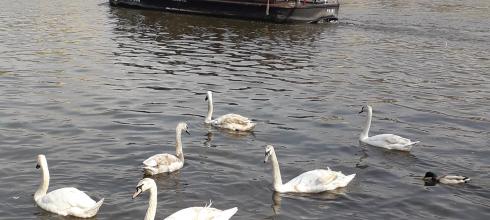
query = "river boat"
{"x": 279, "y": 11}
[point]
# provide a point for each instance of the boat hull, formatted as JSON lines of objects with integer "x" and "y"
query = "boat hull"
{"x": 272, "y": 10}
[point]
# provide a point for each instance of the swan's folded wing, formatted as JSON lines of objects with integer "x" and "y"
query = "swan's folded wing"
{"x": 312, "y": 181}
{"x": 390, "y": 141}
{"x": 160, "y": 160}
{"x": 395, "y": 139}
{"x": 187, "y": 213}
{"x": 233, "y": 119}
{"x": 66, "y": 198}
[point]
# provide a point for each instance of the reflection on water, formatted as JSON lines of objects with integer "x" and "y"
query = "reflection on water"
{"x": 209, "y": 138}
{"x": 276, "y": 202}
{"x": 99, "y": 89}
{"x": 277, "y": 198}
{"x": 210, "y": 46}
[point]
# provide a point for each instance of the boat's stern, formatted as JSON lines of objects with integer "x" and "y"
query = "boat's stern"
{"x": 309, "y": 11}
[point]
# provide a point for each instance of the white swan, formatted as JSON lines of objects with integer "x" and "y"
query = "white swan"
{"x": 64, "y": 201}
{"x": 313, "y": 181}
{"x": 191, "y": 213}
{"x": 163, "y": 163}
{"x": 229, "y": 121}
{"x": 388, "y": 141}
{"x": 431, "y": 179}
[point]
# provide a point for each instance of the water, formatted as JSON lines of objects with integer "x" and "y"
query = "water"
{"x": 99, "y": 89}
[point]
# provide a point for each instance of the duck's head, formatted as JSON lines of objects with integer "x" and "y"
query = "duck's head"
{"x": 182, "y": 126}
{"x": 209, "y": 96}
{"x": 430, "y": 175}
{"x": 365, "y": 108}
{"x": 430, "y": 179}
{"x": 41, "y": 161}
{"x": 269, "y": 149}
{"x": 143, "y": 185}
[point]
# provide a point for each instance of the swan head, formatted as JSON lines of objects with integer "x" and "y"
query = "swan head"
{"x": 143, "y": 185}
{"x": 182, "y": 126}
{"x": 430, "y": 179}
{"x": 366, "y": 108}
{"x": 41, "y": 161}
{"x": 209, "y": 96}
{"x": 269, "y": 149}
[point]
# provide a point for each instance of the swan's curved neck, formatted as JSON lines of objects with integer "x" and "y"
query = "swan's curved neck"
{"x": 43, "y": 188}
{"x": 152, "y": 204}
{"x": 210, "y": 110}
{"x": 276, "y": 172}
{"x": 367, "y": 125}
{"x": 178, "y": 144}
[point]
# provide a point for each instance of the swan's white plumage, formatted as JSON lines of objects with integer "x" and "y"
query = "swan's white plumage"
{"x": 313, "y": 181}
{"x": 203, "y": 213}
{"x": 191, "y": 213}
{"x": 388, "y": 141}
{"x": 69, "y": 201}
{"x": 316, "y": 181}
{"x": 232, "y": 122}
{"x": 164, "y": 163}
{"x": 64, "y": 201}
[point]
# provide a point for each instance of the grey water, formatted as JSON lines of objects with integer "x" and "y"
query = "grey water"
{"x": 99, "y": 89}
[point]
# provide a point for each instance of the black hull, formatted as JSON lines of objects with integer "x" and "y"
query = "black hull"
{"x": 276, "y": 11}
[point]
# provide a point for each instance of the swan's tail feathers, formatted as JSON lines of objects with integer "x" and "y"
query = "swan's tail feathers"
{"x": 406, "y": 147}
{"x": 346, "y": 180}
{"x": 209, "y": 205}
{"x": 248, "y": 127}
{"x": 150, "y": 170}
{"x": 93, "y": 211}
{"x": 409, "y": 146}
{"x": 226, "y": 214}
{"x": 252, "y": 125}
{"x": 150, "y": 162}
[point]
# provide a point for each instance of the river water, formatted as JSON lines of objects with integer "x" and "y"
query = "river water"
{"x": 99, "y": 89}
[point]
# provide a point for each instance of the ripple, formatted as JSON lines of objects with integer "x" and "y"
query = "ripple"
{"x": 99, "y": 89}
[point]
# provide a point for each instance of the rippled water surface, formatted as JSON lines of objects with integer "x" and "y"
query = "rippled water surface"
{"x": 99, "y": 89}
